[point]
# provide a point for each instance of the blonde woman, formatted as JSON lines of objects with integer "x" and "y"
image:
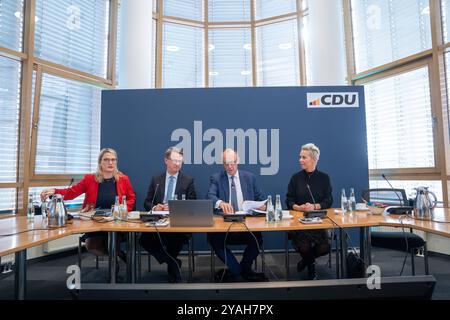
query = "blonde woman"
{"x": 309, "y": 189}
{"x": 100, "y": 189}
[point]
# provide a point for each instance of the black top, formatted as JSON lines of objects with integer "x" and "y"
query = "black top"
{"x": 106, "y": 195}
{"x": 155, "y": 193}
{"x": 319, "y": 184}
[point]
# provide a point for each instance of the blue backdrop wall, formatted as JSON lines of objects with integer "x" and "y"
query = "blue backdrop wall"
{"x": 274, "y": 121}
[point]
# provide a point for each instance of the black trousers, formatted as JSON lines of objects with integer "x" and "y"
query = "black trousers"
{"x": 172, "y": 242}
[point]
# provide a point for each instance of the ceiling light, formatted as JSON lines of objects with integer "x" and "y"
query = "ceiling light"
{"x": 211, "y": 47}
{"x": 172, "y": 48}
{"x": 248, "y": 46}
{"x": 18, "y": 14}
{"x": 245, "y": 72}
{"x": 426, "y": 10}
{"x": 285, "y": 46}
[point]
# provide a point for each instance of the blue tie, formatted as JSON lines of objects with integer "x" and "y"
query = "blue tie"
{"x": 233, "y": 195}
{"x": 169, "y": 189}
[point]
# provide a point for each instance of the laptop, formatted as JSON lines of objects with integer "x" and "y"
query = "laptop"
{"x": 191, "y": 213}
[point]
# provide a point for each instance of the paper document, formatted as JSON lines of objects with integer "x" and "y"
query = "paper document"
{"x": 248, "y": 205}
{"x": 160, "y": 212}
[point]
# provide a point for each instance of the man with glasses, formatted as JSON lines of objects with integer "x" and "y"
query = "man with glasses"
{"x": 228, "y": 190}
{"x": 164, "y": 187}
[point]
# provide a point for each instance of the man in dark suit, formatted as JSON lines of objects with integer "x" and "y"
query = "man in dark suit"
{"x": 164, "y": 187}
{"x": 228, "y": 190}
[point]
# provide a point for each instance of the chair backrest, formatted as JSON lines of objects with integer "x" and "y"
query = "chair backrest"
{"x": 386, "y": 196}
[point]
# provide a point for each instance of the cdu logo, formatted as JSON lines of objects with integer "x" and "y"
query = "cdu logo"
{"x": 332, "y": 100}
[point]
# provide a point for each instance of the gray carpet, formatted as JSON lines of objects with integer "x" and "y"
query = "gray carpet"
{"x": 47, "y": 277}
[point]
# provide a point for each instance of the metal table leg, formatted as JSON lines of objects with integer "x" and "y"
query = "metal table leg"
{"x": 112, "y": 256}
{"x": 286, "y": 248}
{"x": 20, "y": 275}
{"x": 344, "y": 251}
{"x": 131, "y": 257}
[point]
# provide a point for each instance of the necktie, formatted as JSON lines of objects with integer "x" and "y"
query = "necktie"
{"x": 169, "y": 189}
{"x": 233, "y": 195}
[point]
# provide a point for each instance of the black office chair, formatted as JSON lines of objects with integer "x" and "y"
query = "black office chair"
{"x": 401, "y": 241}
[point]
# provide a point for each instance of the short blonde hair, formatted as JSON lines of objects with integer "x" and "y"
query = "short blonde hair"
{"x": 99, "y": 174}
{"x": 313, "y": 150}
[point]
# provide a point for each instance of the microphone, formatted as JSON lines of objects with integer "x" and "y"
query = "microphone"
{"x": 153, "y": 200}
{"x": 402, "y": 209}
{"x": 384, "y": 177}
{"x": 314, "y": 213}
{"x": 149, "y": 216}
{"x": 312, "y": 197}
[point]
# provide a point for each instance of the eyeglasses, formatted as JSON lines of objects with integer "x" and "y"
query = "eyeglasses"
{"x": 176, "y": 161}
{"x": 109, "y": 160}
{"x": 230, "y": 163}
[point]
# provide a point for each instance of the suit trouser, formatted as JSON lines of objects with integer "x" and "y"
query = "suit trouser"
{"x": 173, "y": 242}
{"x": 236, "y": 238}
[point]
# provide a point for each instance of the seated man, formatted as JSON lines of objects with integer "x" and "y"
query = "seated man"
{"x": 162, "y": 189}
{"x": 228, "y": 190}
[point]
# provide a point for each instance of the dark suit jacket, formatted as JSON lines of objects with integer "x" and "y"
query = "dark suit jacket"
{"x": 219, "y": 188}
{"x": 185, "y": 185}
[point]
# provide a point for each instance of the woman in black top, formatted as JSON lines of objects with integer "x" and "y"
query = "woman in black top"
{"x": 309, "y": 189}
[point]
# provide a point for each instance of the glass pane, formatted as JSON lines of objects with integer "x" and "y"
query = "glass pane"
{"x": 278, "y": 59}
{"x": 409, "y": 185}
{"x": 8, "y": 200}
{"x": 68, "y": 139}
{"x": 387, "y": 30}
{"x": 11, "y": 24}
{"x": 399, "y": 121}
{"x": 182, "y": 56}
{"x": 9, "y": 117}
{"x": 230, "y": 59}
{"x": 187, "y": 9}
{"x": 73, "y": 33}
{"x": 271, "y": 8}
{"x": 445, "y": 7}
{"x": 228, "y": 10}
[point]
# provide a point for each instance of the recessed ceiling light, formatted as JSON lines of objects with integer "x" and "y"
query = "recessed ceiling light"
{"x": 213, "y": 73}
{"x": 245, "y": 72}
{"x": 248, "y": 46}
{"x": 285, "y": 46}
{"x": 172, "y": 48}
{"x": 211, "y": 47}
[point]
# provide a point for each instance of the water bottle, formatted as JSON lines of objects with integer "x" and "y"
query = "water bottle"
{"x": 344, "y": 202}
{"x": 183, "y": 196}
{"x": 175, "y": 196}
{"x": 270, "y": 214}
{"x": 352, "y": 201}
{"x": 278, "y": 208}
{"x": 30, "y": 208}
{"x": 123, "y": 208}
{"x": 116, "y": 209}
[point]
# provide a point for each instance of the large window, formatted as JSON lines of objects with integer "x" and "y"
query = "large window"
{"x": 399, "y": 121}
{"x": 278, "y": 61}
{"x": 50, "y": 95}
{"x": 73, "y": 33}
{"x": 9, "y": 117}
{"x": 182, "y": 56}
{"x": 388, "y": 30}
{"x": 230, "y": 61}
{"x": 68, "y": 138}
{"x": 11, "y": 24}
{"x": 231, "y": 44}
